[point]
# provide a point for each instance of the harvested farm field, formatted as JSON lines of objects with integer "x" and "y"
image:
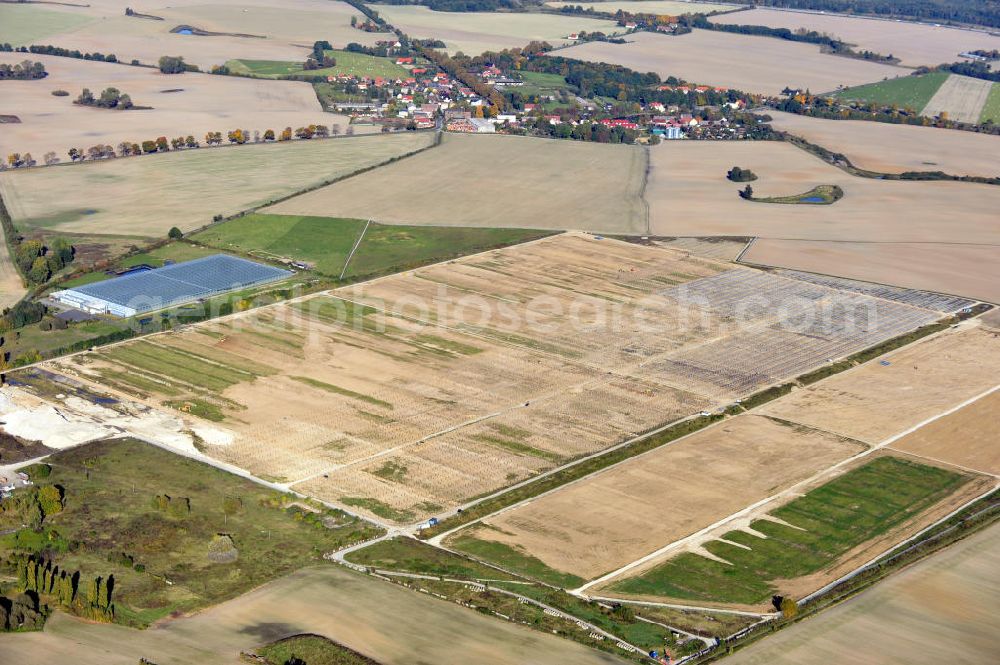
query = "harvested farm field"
{"x": 743, "y": 62}
{"x": 476, "y": 32}
{"x": 543, "y": 181}
{"x": 689, "y": 195}
{"x": 650, "y": 501}
{"x": 410, "y": 394}
{"x": 831, "y": 528}
{"x": 966, "y": 438}
{"x": 972, "y": 271}
{"x": 192, "y": 186}
{"x": 384, "y": 621}
{"x": 913, "y": 43}
{"x": 876, "y": 401}
{"x": 224, "y": 29}
{"x": 889, "y": 148}
{"x": 942, "y": 609}
{"x": 188, "y": 104}
{"x": 962, "y": 98}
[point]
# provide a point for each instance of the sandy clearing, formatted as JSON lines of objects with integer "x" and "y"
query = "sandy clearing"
{"x": 887, "y": 148}
{"x": 873, "y": 402}
{"x": 476, "y": 32}
{"x": 620, "y": 515}
{"x": 496, "y": 181}
{"x": 967, "y": 437}
{"x": 942, "y": 609}
{"x": 182, "y": 104}
{"x": 689, "y": 195}
{"x": 913, "y": 43}
{"x": 287, "y": 33}
{"x": 972, "y": 271}
{"x": 387, "y": 622}
{"x": 669, "y": 7}
{"x": 961, "y": 97}
{"x": 754, "y": 64}
{"x": 191, "y": 186}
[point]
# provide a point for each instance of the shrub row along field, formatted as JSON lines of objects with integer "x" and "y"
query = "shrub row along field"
{"x": 349, "y": 63}
{"x": 326, "y": 242}
{"x": 154, "y": 532}
{"x": 191, "y": 187}
{"x": 811, "y": 533}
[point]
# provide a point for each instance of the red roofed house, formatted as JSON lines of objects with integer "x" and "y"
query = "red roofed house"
{"x": 404, "y": 61}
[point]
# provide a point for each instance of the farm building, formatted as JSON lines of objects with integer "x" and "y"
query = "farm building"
{"x": 171, "y": 285}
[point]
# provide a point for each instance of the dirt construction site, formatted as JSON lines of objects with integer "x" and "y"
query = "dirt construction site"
{"x": 411, "y": 394}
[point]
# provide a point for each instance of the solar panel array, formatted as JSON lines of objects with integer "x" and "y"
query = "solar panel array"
{"x": 182, "y": 282}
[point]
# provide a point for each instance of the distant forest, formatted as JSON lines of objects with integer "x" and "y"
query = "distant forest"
{"x": 979, "y": 12}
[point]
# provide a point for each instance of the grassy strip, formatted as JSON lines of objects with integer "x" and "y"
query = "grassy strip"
{"x": 376, "y": 507}
{"x": 825, "y": 523}
{"x": 337, "y": 390}
{"x": 412, "y": 556}
{"x": 570, "y": 474}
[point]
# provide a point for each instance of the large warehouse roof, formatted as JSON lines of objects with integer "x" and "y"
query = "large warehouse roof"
{"x": 172, "y": 285}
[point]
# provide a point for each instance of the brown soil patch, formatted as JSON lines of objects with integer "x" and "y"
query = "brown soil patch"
{"x": 622, "y": 514}
{"x": 967, "y": 437}
{"x": 873, "y": 402}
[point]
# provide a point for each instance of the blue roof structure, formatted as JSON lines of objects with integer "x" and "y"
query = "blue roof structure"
{"x": 172, "y": 285}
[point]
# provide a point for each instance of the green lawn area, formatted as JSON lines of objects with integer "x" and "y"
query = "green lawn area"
{"x": 413, "y": 556}
{"x": 356, "y": 64}
{"x": 311, "y": 650}
{"x": 541, "y": 83}
{"x": 511, "y": 559}
{"x": 174, "y": 251}
{"x": 826, "y": 523}
{"x": 110, "y": 488}
{"x": 326, "y": 242}
{"x": 906, "y": 91}
{"x": 991, "y": 109}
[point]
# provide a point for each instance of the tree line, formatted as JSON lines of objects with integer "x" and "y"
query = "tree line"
{"x": 48, "y": 49}
{"x": 26, "y": 70}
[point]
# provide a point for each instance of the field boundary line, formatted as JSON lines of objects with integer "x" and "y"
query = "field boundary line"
{"x": 354, "y": 249}
{"x": 942, "y": 462}
{"x": 793, "y": 489}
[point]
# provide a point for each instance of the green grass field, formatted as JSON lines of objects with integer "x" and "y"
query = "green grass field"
{"x": 413, "y": 556}
{"x": 311, "y": 650}
{"x": 512, "y": 559}
{"x": 326, "y": 242}
{"x": 831, "y": 520}
{"x": 540, "y": 83}
{"x": 109, "y": 489}
{"x": 906, "y": 91}
{"x": 26, "y": 24}
{"x": 348, "y": 63}
{"x": 991, "y": 109}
